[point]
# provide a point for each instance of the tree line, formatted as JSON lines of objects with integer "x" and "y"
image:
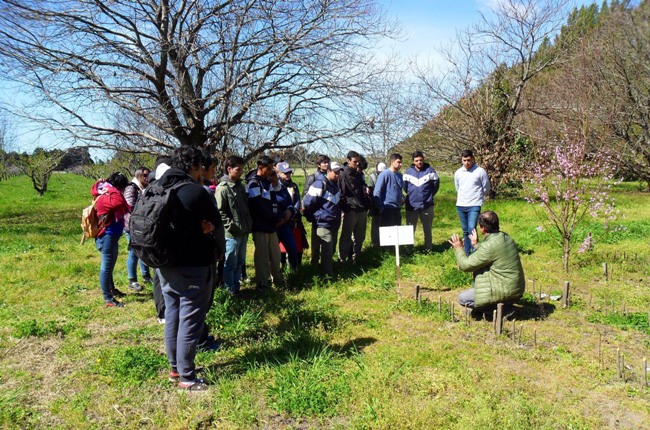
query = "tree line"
{"x": 288, "y": 78}
{"x": 521, "y": 81}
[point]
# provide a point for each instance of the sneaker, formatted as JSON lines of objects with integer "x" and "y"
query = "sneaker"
{"x": 112, "y": 303}
{"x": 117, "y": 293}
{"x": 195, "y": 386}
{"x": 148, "y": 280}
{"x": 161, "y": 320}
{"x": 134, "y": 286}
{"x": 174, "y": 376}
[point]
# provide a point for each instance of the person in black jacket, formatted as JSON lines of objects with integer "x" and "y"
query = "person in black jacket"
{"x": 187, "y": 285}
{"x": 354, "y": 204}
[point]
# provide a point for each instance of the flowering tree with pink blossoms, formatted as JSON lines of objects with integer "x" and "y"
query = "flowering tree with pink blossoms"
{"x": 570, "y": 181}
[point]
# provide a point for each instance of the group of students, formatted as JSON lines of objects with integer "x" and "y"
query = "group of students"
{"x": 213, "y": 221}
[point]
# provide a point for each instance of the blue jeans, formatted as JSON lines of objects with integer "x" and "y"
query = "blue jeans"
{"x": 285, "y": 237}
{"x": 132, "y": 263}
{"x": 468, "y": 217}
{"x": 107, "y": 245}
{"x": 233, "y": 262}
{"x": 187, "y": 292}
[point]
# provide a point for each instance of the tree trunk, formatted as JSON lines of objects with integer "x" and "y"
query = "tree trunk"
{"x": 566, "y": 252}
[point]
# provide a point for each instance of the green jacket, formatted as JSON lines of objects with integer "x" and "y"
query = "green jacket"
{"x": 499, "y": 276}
{"x": 232, "y": 202}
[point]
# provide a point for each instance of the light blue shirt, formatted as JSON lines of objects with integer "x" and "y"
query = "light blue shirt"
{"x": 471, "y": 185}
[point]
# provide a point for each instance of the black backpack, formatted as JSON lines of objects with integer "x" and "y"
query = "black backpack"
{"x": 152, "y": 227}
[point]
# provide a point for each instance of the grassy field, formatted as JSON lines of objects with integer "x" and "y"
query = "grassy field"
{"x": 346, "y": 354}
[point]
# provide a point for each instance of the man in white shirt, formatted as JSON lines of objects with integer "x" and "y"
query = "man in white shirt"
{"x": 472, "y": 185}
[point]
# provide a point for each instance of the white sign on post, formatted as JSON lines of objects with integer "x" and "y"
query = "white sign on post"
{"x": 396, "y": 235}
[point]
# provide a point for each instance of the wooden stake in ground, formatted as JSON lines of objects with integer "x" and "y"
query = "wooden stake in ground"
{"x": 565, "y": 295}
{"x": 417, "y": 293}
{"x": 514, "y": 330}
{"x": 532, "y": 286}
{"x": 451, "y": 306}
{"x": 623, "y": 367}
{"x": 600, "y": 350}
{"x": 605, "y": 271}
{"x": 494, "y": 321}
{"x": 499, "y": 318}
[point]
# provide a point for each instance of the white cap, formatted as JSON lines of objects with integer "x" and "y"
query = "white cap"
{"x": 381, "y": 167}
{"x": 335, "y": 166}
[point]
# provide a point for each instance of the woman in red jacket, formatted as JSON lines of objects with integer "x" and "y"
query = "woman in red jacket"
{"x": 111, "y": 208}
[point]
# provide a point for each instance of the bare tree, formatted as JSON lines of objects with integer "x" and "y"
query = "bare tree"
{"x": 385, "y": 111}
{"x": 478, "y": 99}
{"x": 7, "y": 138}
{"x": 38, "y": 167}
{"x": 625, "y": 86}
{"x": 235, "y": 76}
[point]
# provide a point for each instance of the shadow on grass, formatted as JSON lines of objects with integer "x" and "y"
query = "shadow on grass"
{"x": 524, "y": 310}
{"x": 308, "y": 276}
{"x": 273, "y": 328}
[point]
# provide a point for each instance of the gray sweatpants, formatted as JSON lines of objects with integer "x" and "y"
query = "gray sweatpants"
{"x": 466, "y": 298}
{"x": 426, "y": 216}
{"x": 187, "y": 292}
{"x": 267, "y": 259}
{"x": 326, "y": 243}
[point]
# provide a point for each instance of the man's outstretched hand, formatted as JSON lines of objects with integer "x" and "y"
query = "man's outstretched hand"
{"x": 456, "y": 241}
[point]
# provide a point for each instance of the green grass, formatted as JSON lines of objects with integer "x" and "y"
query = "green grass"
{"x": 355, "y": 352}
{"x": 635, "y": 320}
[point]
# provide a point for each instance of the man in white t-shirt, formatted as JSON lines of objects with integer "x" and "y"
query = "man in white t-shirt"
{"x": 472, "y": 185}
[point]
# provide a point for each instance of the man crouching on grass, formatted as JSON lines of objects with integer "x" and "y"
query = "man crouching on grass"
{"x": 498, "y": 274}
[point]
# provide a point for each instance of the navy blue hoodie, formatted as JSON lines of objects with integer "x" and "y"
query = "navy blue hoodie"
{"x": 264, "y": 213}
{"x": 420, "y": 187}
{"x": 322, "y": 200}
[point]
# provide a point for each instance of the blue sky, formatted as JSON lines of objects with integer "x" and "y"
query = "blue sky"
{"x": 430, "y": 23}
{"x": 427, "y": 25}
